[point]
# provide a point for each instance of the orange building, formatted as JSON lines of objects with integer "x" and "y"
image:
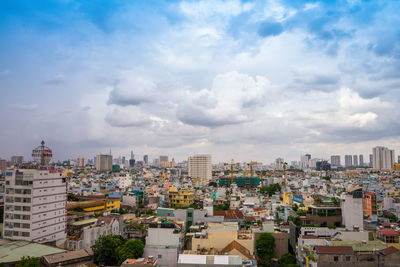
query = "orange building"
{"x": 369, "y": 204}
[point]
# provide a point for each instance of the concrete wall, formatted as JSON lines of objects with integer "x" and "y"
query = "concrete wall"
{"x": 165, "y": 256}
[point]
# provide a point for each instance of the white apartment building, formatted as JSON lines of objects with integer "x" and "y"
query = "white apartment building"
{"x": 123, "y": 180}
{"x": 200, "y": 166}
{"x": 383, "y": 158}
{"x": 35, "y": 204}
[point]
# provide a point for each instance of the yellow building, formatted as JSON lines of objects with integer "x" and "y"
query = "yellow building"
{"x": 95, "y": 205}
{"x": 396, "y": 167}
{"x": 287, "y": 197}
{"x": 182, "y": 198}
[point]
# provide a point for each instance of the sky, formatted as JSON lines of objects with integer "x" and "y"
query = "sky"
{"x": 243, "y": 80}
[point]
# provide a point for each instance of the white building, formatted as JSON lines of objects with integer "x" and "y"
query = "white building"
{"x": 304, "y": 162}
{"x": 200, "y": 166}
{"x": 163, "y": 242}
{"x": 104, "y": 162}
{"x": 87, "y": 236}
{"x": 35, "y": 205}
{"x": 335, "y": 160}
{"x": 279, "y": 163}
{"x": 348, "y": 161}
{"x": 352, "y": 210}
{"x": 383, "y": 158}
{"x": 123, "y": 180}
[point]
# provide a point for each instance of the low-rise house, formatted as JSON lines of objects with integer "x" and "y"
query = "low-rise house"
{"x": 84, "y": 234}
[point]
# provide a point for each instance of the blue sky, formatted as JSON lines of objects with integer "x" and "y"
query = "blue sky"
{"x": 250, "y": 80}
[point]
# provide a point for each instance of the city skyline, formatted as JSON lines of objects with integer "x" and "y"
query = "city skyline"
{"x": 243, "y": 80}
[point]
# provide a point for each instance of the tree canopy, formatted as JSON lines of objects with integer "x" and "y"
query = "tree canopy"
{"x": 287, "y": 260}
{"x": 105, "y": 249}
{"x": 28, "y": 262}
{"x": 265, "y": 246}
{"x": 271, "y": 189}
{"x": 132, "y": 249}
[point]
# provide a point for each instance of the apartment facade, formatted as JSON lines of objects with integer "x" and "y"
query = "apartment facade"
{"x": 103, "y": 162}
{"x": 200, "y": 166}
{"x": 35, "y": 204}
{"x": 383, "y": 158}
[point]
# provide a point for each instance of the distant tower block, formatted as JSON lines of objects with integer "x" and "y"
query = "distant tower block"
{"x": 42, "y": 154}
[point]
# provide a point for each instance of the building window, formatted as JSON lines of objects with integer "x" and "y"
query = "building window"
{"x": 159, "y": 256}
{"x": 335, "y": 258}
{"x": 348, "y": 258}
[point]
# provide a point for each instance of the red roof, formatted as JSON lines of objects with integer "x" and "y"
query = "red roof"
{"x": 249, "y": 218}
{"x": 389, "y": 250}
{"x": 229, "y": 214}
{"x": 336, "y": 250}
{"x": 388, "y": 232}
{"x": 259, "y": 209}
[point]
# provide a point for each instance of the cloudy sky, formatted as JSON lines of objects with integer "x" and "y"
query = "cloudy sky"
{"x": 249, "y": 80}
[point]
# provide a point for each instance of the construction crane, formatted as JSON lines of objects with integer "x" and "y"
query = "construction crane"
{"x": 232, "y": 164}
{"x": 251, "y": 164}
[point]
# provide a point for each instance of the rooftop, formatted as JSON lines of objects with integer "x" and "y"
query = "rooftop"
{"x": 388, "y": 232}
{"x": 210, "y": 259}
{"x": 336, "y": 250}
{"x": 12, "y": 251}
{"x": 360, "y": 246}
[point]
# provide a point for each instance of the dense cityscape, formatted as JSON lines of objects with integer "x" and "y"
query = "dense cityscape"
{"x": 136, "y": 212}
{"x": 199, "y": 133}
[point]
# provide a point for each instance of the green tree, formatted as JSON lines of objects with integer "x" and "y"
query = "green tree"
{"x": 105, "y": 249}
{"x": 295, "y": 207}
{"x": 287, "y": 260}
{"x": 318, "y": 201}
{"x": 28, "y": 262}
{"x": 132, "y": 249}
{"x": 295, "y": 220}
{"x": 265, "y": 246}
{"x": 72, "y": 197}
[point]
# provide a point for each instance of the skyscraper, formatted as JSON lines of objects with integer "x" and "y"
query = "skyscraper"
{"x": 355, "y": 160}
{"x": 146, "y": 159}
{"x": 164, "y": 162}
{"x": 200, "y": 166}
{"x": 398, "y": 159}
{"x": 371, "y": 160}
{"x": 335, "y": 160}
{"x": 348, "y": 161}
{"x": 361, "y": 158}
{"x": 383, "y": 158}
{"x": 104, "y": 162}
{"x": 308, "y": 156}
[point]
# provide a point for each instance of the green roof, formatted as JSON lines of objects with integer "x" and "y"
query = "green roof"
{"x": 13, "y": 251}
{"x": 83, "y": 222}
